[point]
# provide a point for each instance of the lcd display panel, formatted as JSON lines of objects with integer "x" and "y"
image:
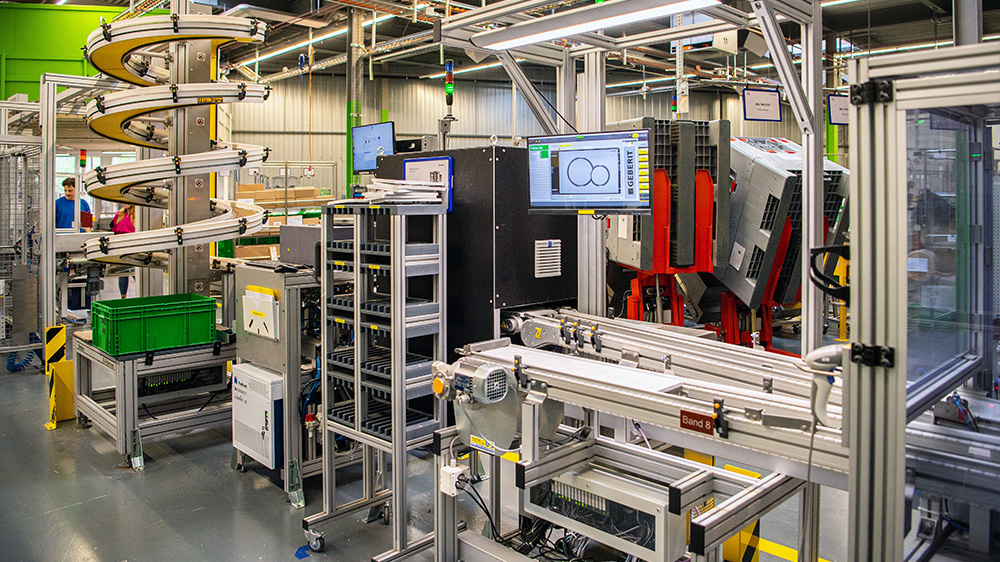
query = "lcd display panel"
{"x": 366, "y": 142}
{"x": 601, "y": 173}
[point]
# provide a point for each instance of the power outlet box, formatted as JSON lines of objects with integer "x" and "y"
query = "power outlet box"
{"x": 450, "y": 476}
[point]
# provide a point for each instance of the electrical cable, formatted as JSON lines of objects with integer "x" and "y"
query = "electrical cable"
{"x": 467, "y": 486}
{"x": 547, "y": 102}
{"x": 635, "y": 424}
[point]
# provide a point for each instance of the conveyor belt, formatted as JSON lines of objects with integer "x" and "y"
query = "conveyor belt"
{"x": 126, "y": 50}
{"x": 128, "y": 183}
{"x": 117, "y": 49}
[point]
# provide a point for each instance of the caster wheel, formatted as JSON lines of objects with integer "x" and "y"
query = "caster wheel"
{"x": 386, "y": 515}
{"x": 317, "y": 544}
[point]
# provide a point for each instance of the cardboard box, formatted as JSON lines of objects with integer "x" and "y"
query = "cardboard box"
{"x": 255, "y": 252}
{"x": 279, "y": 194}
{"x": 303, "y": 193}
{"x": 264, "y": 195}
{"x": 249, "y": 187}
{"x": 311, "y": 220}
{"x": 275, "y": 221}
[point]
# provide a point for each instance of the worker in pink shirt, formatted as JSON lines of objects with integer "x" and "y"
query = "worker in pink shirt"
{"x": 123, "y": 223}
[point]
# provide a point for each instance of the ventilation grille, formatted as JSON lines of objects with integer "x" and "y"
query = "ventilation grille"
{"x": 247, "y": 437}
{"x": 548, "y": 258}
{"x": 756, "y": 263}
{"x": 636, "y": 229}
{"x": 496, "y": 386}
{"x": 770, "y": 213}
{"x": 256, "y": 387}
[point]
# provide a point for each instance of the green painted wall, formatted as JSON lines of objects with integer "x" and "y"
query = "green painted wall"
{"x": 36, "y": 38}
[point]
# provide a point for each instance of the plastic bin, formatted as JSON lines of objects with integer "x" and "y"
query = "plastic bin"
{"x": 151, "y": 323}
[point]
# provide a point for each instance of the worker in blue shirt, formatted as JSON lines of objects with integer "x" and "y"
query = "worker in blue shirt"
{"x": 65, "y": 206}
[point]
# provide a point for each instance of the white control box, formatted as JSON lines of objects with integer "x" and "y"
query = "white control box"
{"x": 257, "y": 414}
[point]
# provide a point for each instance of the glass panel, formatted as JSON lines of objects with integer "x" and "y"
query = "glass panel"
{"x": 945, "y": 266}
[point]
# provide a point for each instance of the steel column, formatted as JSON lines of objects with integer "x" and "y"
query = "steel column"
{"x": 591, "y": 283}
{"x": 355, "y": 88}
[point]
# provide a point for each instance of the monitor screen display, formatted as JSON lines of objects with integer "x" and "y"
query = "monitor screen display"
{"x": 606, "y": 173}
{"x": 366, "y": 141}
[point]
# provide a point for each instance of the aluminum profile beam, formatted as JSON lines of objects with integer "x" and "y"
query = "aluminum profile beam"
{"x": 784, "y": 65}
{"x": 530, "y": 94}
{"x": 710, "y": 530}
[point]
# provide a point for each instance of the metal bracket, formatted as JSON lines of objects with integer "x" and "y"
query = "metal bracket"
{"x": 243, "y": 158}
{"x": 99, "y": 100}
{"x": 873, "y": 91}
{"x": 595, "y": 339}
{"x": 217, "y": 348}
{"x": 519, "y": 374}
{"x": 243, "y": 225}
{"x": 242, "y": 88}
{"x": 254, "y": 25}
{"x": 267, "y": 92}
{"x": 267, "y": 151}
{"x": 873, "y": 355}
{"x": 103, "y": 244}
{"x": 150, "y": 130}
{"x": 719, "y": 418}
{"x": 149, "y": 357}
{"x": 769, "y": 385}
{"x": 106, "y": 31}
{"x": 100, "y": 174}
{"x": 176, "y": 20}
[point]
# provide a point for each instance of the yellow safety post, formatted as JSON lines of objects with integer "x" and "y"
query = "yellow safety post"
{"x": 841, "y": 273}
{"x": 59, "y": 373}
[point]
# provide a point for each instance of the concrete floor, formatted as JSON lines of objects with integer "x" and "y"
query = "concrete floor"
{"x": 64, "y": 499}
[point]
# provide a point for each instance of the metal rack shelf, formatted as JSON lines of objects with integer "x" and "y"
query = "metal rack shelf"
{"x": 396, "y": 336}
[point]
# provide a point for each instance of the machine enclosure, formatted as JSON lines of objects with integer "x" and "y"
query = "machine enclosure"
{"x": 492, "y": 241}
{"x": 257, "y": 414}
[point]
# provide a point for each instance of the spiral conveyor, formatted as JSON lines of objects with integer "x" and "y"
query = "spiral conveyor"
{"x": 140, "y": 116}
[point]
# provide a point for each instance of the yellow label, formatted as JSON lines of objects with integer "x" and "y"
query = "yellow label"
{"x": 374, "y": 267}
{"x": 643, "y": 151}
{"x": 374, "y": 327}
{"x": 257, "y": 313}
{"x": 487, "y": 447}
{"x": 209, "y": 100}
{"x": 339, "y": 206}
{"x": 643, "y": 158}
{"x": 538, "y": 333}
{"x": 586, "y": 212}
{"x": 340, "y": 321}
{"x": 374, "y": 206}
{"x": 338, "y": 263}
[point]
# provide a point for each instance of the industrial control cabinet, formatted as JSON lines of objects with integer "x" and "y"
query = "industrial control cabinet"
{"x": 501, "y": 256}
{"x": 258, "y": 414}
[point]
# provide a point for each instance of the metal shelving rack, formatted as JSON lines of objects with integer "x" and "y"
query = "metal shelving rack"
{"x": 377, "y": 388}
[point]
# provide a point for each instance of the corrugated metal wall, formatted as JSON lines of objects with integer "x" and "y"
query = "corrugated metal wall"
{"x": 704, "y": 105}
{"x": 482, "y": 108}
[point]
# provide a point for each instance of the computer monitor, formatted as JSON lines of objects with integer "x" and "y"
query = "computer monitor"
{"x": 366, "y": 141}
{"x": 604, "y": 173}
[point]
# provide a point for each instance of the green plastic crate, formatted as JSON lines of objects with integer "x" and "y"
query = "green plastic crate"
{"x": 151, "y": 323}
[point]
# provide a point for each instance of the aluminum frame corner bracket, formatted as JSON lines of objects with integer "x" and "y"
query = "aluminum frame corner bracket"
{"x": 873, "y": 91}
{"x": 873, "y": 355}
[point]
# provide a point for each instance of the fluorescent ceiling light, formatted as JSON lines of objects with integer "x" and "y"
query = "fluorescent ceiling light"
{"x": 837, "y": 3}
{"x": 640, "y": 82}
{"x": 335, "y": 33}
{"x": 906, "y": 48}
{"x": 469, "y": 69}
{"x": 583, "y": 20}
